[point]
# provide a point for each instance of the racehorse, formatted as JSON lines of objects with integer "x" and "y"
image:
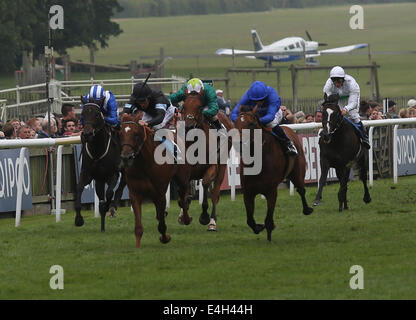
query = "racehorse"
{"x": 100, "y": 161}
{"x": 276, "y": 166}
{"x": 146, "y": 178}
{"x": 208, "y": 172}
{"x": 340, "y": 147}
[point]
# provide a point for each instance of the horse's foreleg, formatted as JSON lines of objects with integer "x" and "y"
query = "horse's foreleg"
{"x": 322, "y": 181}
{"x": 183, "y": 201}
{"x": 297, "y": 179}
{"x": 215, "y": 196}
{"x": 110, "y": 192}
{"x": 136, "y": 203}
{"x": 160, "y": 205}
{"x": 343, "y": 183}
{"x": 209, "y": 176}
{"x": 249, "y": 204}
{"x": 99, "y": 190}
{"x": 271, "y": 204}
{"x": 83, "y": 181}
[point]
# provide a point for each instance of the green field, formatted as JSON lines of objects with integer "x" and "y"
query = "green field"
{"x": 387, "y": 27}
{"x": 309, "y": 257}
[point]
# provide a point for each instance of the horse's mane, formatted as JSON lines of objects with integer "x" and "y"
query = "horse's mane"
{"x": 245, "y": 109}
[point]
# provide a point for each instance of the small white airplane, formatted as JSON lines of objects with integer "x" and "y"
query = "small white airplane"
{"x": 288, "y": 49}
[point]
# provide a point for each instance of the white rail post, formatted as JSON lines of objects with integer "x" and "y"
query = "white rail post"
{"x": 291, "y": 188}
{"x": 96, "y": 204}
{"x": 200, "y": 192}
{"x": 370, "y": 157}
{"x": 168, "y": 197}
{"x": 18, "y": 98}
{"x": 58, "y": 183}
{"x": 395, "y": 156}
{"x": 20, "y": 180}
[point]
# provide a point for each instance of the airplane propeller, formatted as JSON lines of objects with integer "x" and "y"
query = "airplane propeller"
{"x": 310, "y": 39}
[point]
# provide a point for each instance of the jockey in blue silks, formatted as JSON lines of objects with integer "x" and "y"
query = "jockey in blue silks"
{"x": 109, "y": 108}
{"x": 268, "y": 110}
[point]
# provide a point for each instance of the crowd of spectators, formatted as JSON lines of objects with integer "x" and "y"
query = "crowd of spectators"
{"x": 64, "y": 125}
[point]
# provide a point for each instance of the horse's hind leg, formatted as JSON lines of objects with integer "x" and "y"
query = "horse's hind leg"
{"x": 249, "y": 204}
{"x": 298, "y": 182}
{"x": 99, "y": 189}
{"x": 83, "y": 181}
{"x": 183, "y": 201}
{"x": 117, "y": 196}
{"x": 136, "y": 202}
{"x": 271, "y": 203}
{"x": 110, "y": 193}
{"x": 160, "y": 205}
{"x": 363, "y": 169}
{"x": 204, "y": 216}
{"x": 343, "y": 182}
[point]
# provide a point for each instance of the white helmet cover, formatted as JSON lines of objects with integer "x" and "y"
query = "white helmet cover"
{"x": 337, "y": 72}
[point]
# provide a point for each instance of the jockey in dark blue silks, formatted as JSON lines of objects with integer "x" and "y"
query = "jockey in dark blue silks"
{"x": 268, "y": 110}
{"x": 109, "y": 108}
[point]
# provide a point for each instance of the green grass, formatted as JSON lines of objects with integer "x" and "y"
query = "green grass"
{"x": 387, "y": 27}
{"x": 309, "y": 257}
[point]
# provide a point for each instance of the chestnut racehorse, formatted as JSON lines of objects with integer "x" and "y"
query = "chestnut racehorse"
{"x": 276, "y": 166}
{"x": 148, "y": 179}
{"x": 208, "y": 172}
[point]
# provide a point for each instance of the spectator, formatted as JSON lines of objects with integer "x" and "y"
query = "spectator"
{"x": 288, "y": 117}
{"x": 391, "y": 113}
{"x": 34, "y": 124}
{"x": 411, "y": 112}
{"x": 23, "y": 132}
{"x": 309, "y": 118}
{"x": 44, "y": 133}
{"x": 33, "y": 134}
{"x": 16, "y": 124}
{"x": 300, "y": 117}
{"x": 70, "y": 128}
{"x": 411, "y": 103}
{"x": 223, "y": 104}
{"x": 68, "y": 113}
{"x": 318, "y": 116}
{"x": 376, "y": 115}
{"x": 403, "y": 113}
{"x": 9, "y": 132}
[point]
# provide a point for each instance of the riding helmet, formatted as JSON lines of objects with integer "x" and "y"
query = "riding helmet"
{"x": 141, "y": 92}
{"x": 258, "y": 91}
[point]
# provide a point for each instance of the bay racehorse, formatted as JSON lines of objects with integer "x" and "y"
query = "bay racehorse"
{"x": 340, "y": 147}
{"x": 210, "y": 172}
{"x": 275, "y": 167}
{"x": 100, "y": 162}
{"x": 148, "y": 179}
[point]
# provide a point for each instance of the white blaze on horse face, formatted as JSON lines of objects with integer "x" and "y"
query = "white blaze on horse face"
{"x": 330, "y": 112}
{"x": 127, "y": 129}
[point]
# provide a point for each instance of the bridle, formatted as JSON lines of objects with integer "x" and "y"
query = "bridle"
{"x": 336, "y": 124}
{"x": 190, "y": 116}
{"x": 135, "y": 150}
{"x": 95, "y": 130}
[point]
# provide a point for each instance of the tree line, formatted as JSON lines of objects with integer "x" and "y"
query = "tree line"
{"x": 24, "y": 26}
{"x": 163, "y": 8}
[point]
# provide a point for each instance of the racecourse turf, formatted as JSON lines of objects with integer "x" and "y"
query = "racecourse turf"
{"x": 309, "y": 257}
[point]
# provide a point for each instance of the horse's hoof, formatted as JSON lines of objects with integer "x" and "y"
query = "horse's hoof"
{"x": 166, "y": 214}
{"x": 180, "y": 219}
{"x": 259, "y": 228}
{"x": 165, "y": 239}
{"x": 212, "y": 225}
{"x": 307, "y": 211}
{"x": 79, "y": 222}
{"x": 367, "y": 199}
{"x": 204, "y": 219}
{"x": 316, "y": 203}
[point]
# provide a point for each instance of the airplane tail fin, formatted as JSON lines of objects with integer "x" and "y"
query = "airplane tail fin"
{"x": 256, "y": 41}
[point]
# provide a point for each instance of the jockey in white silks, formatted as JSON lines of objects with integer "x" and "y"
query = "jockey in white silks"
{"x": 349, "y": 92}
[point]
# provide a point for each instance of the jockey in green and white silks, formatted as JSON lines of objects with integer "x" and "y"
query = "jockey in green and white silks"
{"x": 349, "y": 92}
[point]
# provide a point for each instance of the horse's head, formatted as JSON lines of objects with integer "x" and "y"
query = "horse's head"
{"x": 247, "y": 119}
{"x": 332, "y": 117}
{"x": 192, "y": 110}
{"x": 132, "y": 138}
{"x": 92, "y": 117}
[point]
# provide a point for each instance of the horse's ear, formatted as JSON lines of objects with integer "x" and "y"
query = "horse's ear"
{"x": 255, "y": 109}
{"x": 83, "y": 100}
{"x": 125, "y": 117}
{"x": 239, "y": 108}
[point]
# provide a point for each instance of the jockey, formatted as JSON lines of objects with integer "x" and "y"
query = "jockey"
{"x": 268, "y": 110}
{"x": 157, "y": 108}
{"x": 349, "y": 91}
{"x": 208, "y": 95}
{"x": 157, "y": 112}
{"x": 109, "y": 108}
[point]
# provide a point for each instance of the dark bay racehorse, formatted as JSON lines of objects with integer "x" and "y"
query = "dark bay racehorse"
{"x": 148, "y": 179}
{"x": 210, "y": 173}
{"x": 276, "y": 166}
{"x": 340, "y": 147}
{"x": 100, "y": 161}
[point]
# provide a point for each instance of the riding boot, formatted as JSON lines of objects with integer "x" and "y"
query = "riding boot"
{"x": 285, "y": 142}
{"x": 364, "y": 137}
{"x": 221, "y": 130}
